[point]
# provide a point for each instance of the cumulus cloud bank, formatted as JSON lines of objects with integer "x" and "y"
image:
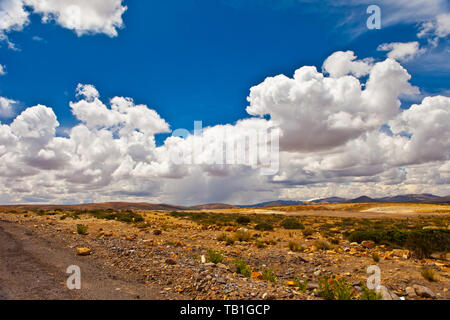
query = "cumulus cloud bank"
{"x": 342, "y": 132}
{"x": 81, "y": 16}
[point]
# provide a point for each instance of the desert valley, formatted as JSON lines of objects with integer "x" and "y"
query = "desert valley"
{"x": 270, "y": 251}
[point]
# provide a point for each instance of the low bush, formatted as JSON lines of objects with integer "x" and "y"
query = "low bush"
{"x": 269, "y": 275}
{"x": 429, "y": 274}
{"x": 123, "y": 216}
{"x": 368, "y": 294}
{"x": 421, "y": 242}
{"x": 322, "y": 245}
{"x": 243, "y": 220}
{"x": 302, "y": 285}
{"x": 242, "y": 235}
{"x": 292, "y": 224}
{"x": 335, "y": 289}
{"x": 376, "y": 257}
{"x": 82, "y": 229}
{"x": 215, "y": 256}
{"x": 243, "y": 268}
{"x": 295, "y": 246}
{"x": 222, "y": 237}
{"x": 424, "y": 242}
{"x": 264, "y": 226}
{"x": 308, "y": 232}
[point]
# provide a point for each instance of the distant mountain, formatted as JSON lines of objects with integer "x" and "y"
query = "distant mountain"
{"x": 424, "y": 197}
{"x": 275, "y": 203}
{"x": 102, "y": 206}
{"x": 362, "y": 199}
{"x": 212, "y": 206}
{"x": 418, "y": 198}
{"x": 329, "y": 200}
{"x": 412, "y": 198}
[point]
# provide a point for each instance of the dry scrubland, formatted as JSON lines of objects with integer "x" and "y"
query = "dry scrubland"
{"x": 295, "y": 252}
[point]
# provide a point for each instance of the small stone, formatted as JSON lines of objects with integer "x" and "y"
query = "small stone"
{"x": 256, "y": 275}
{"x": 369, "y": 244}
{"x": 423, "y": 291}
{"x": 384, "y": 292}
{"x": 313, "y": 285}
{"x": 171, "y": 261}
{"x": 405, "y": 254}
{"x": 83, "y": 251}
{"x": 411, "y": 292}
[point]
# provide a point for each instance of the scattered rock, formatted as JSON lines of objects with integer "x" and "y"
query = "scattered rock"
{"x": 405, "y": 254}
{"x": 313, "y": 285}
{"x": 423, "y": 291}
{"x": 171, "y": 261}
{"x": 256, "y": 275}
{"x": 384, "y": 292}
{"x": 411, "y": 292}
{"x": 369, "y": 244}
{"x": 83, "y": 251}
{"x": 222, "y": 266}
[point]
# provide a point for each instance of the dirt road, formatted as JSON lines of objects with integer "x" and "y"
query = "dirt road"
{"x": 34, "y": 268}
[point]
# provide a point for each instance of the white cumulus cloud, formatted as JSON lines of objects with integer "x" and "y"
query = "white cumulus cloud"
{"x": 402, "y": 51}
{"x": 84, "y": 17}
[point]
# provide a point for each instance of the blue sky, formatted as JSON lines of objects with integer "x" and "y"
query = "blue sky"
{"x": 191, "y": 60}
{"x": 209, "y": 60}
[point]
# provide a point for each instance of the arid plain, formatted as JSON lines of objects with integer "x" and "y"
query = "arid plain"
{"x": 319, "y": 251}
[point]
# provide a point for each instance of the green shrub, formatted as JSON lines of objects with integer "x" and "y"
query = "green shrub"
{"x": 229, "y": 241}
{"x": 424, "y": 242}
{"x": 368, "y": 294}
{"x": 335, "y": 289}
{"x": 421, "y": 242}
{"x": 429, "y": 274}
{"x": 302, "y": 285}
{"x": 242, "y": 235}
{"x": 222, "y": 237}
{"x": 215, "y": 256}
{"x": 243, "y": 268}
{"x": 243, "y": 220}
{"x": 260, "y": 245}
{"x": 322, "y": 245}
{"x": 376, "y": 257}
{"x": 342, "y": 290}
{"x": 325, "y": 289}
{"x": 127, "y": 216}
{"x": 264, "y": 226}
{"x": 291, "y": 224}
{"x": 396, "y": 237}
{"x": 308, "y": 232}
{"x": 295, "y": 247}
{"x": 82, "y": 229}
{"x": 334, "y": 240}
{"x": 269, "y": 275}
